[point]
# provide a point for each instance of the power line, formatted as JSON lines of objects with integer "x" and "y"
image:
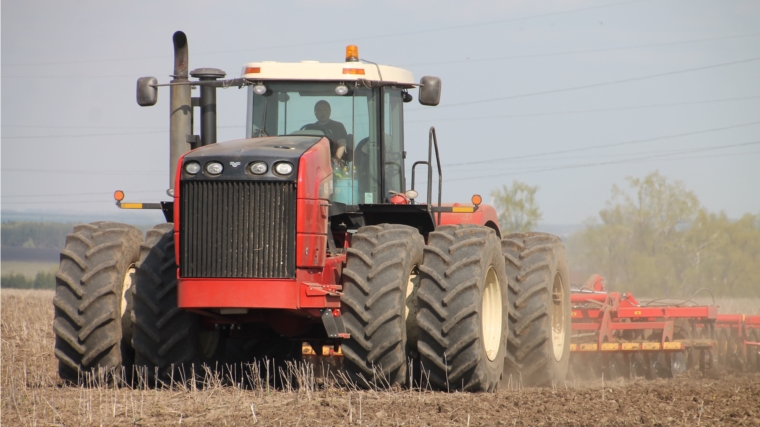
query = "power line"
{"x": 594, "y": 110}
{"x": 614, "y": 156}
{"x": 316, "y": 43}
{"x": 573, "y": 52}
{"x": 610, "y": 162}
{"x": 651, "y": 76}
{"x": 83, "y": 135}
{"x": 79, "y": 194}
{"x": 59, "y": 202}
{"x": 593, "y": 147}
{"x": 635, "y": 160}
{"x": 553, "y": 113}
{"x": 84, "y": 172}
{"x": 155, "y": 129}
{"x": 75, "y": 127}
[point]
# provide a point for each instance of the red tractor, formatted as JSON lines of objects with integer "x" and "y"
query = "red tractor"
{"x": 305, "y": 232}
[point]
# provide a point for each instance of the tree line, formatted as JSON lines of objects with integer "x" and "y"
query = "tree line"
{"x": 27, "y": 234}
{"x": 43, "y": 280}
{"x": 654, "y": 238}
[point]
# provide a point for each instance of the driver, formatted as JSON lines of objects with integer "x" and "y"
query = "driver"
{"x": 333, "y": 130}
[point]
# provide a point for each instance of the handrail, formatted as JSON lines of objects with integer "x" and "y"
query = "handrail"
{"x": 433, "y": 141}
{"x": 414, "y": 166}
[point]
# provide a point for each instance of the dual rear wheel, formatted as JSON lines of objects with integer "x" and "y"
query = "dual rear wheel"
{"x": 472, "y": 320}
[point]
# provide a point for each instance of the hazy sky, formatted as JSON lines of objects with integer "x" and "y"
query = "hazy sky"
{"x": 572, "y": 96}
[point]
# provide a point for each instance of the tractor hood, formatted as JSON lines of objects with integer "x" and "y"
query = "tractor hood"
{"x": 237, "y": 156}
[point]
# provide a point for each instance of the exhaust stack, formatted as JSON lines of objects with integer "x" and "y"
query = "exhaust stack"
{"x": 181, "y": 109}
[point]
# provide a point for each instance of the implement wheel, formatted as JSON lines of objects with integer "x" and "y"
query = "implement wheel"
{"x": 90, "y": 304}
{"x": 168, "y": 341}
{"x": 538, "y": 348}
{"x": 461, "y": 317}
{"x": 380, "y": 275}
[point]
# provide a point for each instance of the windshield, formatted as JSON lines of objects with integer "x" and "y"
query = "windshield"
{"x": 358, "y": 124}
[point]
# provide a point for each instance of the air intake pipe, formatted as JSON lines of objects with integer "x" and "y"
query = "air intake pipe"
{"x": 208, "y": 102}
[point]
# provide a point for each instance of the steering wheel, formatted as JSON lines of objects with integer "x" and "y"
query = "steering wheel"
{"x": 316, "y": 126}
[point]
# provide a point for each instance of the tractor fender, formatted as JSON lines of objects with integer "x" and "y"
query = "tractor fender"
{"x": 485, "y": 215}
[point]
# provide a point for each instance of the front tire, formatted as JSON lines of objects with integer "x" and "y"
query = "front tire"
{"x": 538, "y": 349}
{"x": 461, "y": 318}
{"x": 89, "y": 299}
{"x": 168, "y": 341}
{"x": 378, "y": 279}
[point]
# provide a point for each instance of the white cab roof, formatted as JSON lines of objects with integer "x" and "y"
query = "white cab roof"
{"x": 327, "y": 71}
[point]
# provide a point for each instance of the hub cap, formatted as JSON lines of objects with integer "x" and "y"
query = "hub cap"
{"x": 558, "y": 318}
{"x": 491, "y": 314}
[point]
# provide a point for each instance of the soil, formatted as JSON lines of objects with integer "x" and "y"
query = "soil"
{"x": 33, "y": 395}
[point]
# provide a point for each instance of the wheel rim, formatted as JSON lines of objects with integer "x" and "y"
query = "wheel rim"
{"x": 677, "y": 363}
{"x": 491, "y": 317}
{"x": 125, "y": 286}
{"x": 410, "y": 307}
{"x": 559, "y": 311}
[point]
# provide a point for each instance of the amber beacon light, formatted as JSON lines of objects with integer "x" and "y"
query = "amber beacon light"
{"x": 352, "y": 53}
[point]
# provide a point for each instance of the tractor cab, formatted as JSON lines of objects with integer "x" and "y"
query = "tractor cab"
{"x": 357, "y": 106}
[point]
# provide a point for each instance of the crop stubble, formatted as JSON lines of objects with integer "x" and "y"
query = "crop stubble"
{"x": 32, "y": 395}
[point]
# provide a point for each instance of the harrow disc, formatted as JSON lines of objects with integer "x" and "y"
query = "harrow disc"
{"x": 616, "y": 366}
{"x": 753, "y": 352}
{"x": 677, "y": 362}
{"x": 638, "y": 365}
{"x": 658, "y": 365}
{"x": 722, "y": 355}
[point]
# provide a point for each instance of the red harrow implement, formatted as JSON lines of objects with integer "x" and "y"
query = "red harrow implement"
{"x": 617, "y": 336}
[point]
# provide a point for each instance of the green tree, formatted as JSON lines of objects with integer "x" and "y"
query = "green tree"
{"x": 44, "y": 280}
{"x": 517, "y": 207}
{"x": 18, "y": 281}
{"x": 35, "y": 234}
{"x": 655, "y": 239}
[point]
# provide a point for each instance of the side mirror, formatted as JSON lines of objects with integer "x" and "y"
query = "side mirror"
{"x": 147, "y": 91}
{"x": 430, "y": 90}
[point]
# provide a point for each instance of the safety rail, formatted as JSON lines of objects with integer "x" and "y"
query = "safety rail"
{"x": 432, "y": 143}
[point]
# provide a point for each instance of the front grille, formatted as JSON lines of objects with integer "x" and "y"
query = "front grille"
{"x": 237, "y": 229}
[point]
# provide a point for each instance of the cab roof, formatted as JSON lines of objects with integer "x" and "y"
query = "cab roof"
{"x": 327, "y": 71}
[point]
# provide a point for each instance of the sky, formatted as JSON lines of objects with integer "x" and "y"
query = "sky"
{"x": 571, "y": 96}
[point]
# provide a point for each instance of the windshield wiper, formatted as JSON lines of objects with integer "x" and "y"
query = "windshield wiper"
{"x": 264, "y": 120}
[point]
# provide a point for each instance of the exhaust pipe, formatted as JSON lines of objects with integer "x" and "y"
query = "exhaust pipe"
{"x": 181, "y": 122}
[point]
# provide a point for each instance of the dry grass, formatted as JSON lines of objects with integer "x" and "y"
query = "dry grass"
{"x": 32, "y": 395}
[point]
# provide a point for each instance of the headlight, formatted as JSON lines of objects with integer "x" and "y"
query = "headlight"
{"x": 283, "y": 168}
{"x": 259, "y": 89}
{"x": 192, "y": 168}
{"x": 214, "y": 168}
{"x": 258, "y": 168}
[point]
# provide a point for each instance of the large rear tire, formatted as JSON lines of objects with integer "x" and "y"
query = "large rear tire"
{"x": 380, "y": 275}
{"x": 461, "y": 321}
{"x": 168, "y": 341}
{"x": 89, "y": 300}
{"x": 538, "y": 348}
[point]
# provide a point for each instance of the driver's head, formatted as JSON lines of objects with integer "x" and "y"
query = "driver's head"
{"x": 322, "y": 111}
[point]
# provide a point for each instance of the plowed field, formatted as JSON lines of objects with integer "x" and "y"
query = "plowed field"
{"x": 33, "y": 395}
